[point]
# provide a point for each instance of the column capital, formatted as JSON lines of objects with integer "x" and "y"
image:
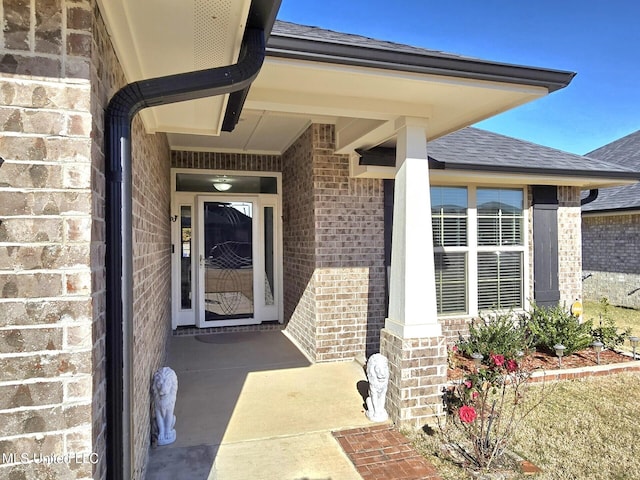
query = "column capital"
{"x": 411, "y": 122}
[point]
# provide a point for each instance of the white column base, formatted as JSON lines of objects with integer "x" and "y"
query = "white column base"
{"x": 420, "y": 330}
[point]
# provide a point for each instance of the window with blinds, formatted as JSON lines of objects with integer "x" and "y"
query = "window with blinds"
{"x": 500, "y": 213}
{"x": 450, "y": 239}
{"x": 449, "y": 216}
{"x": 499, "y": 280}
{"x": 489, "y": 249}
{"x": 451, "y": 282}
{"x": 500, "y": 216}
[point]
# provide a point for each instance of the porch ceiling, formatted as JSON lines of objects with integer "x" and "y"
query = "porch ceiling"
{"x": 363, "y": 103}
{"x": 165, "y": 37}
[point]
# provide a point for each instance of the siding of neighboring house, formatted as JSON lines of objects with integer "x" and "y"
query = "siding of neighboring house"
{"x": 59, "y": 71}
{"x": 611, "y": 258}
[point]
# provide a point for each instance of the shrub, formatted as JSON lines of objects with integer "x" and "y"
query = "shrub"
{"x": 499, "y": 333}
{"x": 552, "y": 325}
{"x": 487, "y": 408}
{"x": 606, "y": 331}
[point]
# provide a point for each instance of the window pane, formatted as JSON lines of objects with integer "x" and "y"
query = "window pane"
{"x": 268, "y": 256}
{"x": 500, "y": 217}
{"x": 493, "y": 200}
{"x": 499, "y": 280}
{"x": 451, "y": 282}
{"x": 449, "y": 200}
{"x": 449, "y": 216}
{"x": 185, "y": 257}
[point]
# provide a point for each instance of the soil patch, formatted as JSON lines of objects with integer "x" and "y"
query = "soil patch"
{"x": 545, "y": 361}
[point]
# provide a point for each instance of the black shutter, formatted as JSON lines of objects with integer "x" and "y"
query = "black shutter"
{"x": 546, "y": 290}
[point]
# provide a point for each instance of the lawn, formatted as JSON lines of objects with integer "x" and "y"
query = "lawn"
{"x": 585, "y": 429}
{"x": 624, "y": 317}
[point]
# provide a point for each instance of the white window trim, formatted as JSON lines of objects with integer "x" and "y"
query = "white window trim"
{"x": 472, "y": 248}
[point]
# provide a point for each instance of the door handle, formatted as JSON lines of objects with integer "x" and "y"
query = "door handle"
{"x": 202, "y": 260}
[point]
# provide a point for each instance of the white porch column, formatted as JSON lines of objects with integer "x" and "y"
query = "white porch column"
{"x": 412, "y": 290}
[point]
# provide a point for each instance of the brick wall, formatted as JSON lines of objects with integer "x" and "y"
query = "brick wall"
{"x": 299, "y": 243}
{"x": 417, "y": 375}
{"x": 569, "y": 245}
{"x": 58, "y": 73}
{"x": 226, "y": 161}
{"x": 47, "y": 325}
{"x": 350, "y": 272}
{"x": 611, "y": 259}
{"x": 333, "y": 251}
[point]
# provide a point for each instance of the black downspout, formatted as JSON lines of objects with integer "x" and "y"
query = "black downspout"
{"x": 125, "y": 104}
{"x": 593, "y": 194}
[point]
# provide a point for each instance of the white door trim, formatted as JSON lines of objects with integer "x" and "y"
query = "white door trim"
{"x": 186, "y": 317}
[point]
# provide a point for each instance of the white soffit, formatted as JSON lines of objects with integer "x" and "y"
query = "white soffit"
{"x": 165, "y": 37}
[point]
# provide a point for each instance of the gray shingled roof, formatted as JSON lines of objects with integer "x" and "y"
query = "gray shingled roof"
{"x": 624, "y": 152}
{"x": 290, "y": 40}
{"x": 475, "y": 149}
{"x": 323, "y": 35}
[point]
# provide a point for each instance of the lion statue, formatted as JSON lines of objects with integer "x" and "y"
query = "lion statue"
{"x": 378, "y": 377}
{"x": 165, "y": 388}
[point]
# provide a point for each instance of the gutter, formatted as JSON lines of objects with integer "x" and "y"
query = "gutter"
{"x": 423, "y": 62}
{"x": 385, "y": 157}
{"x": 120, "y": 112}
{"x": 593, "y": 194}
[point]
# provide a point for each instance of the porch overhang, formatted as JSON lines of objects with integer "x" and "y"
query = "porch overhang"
{"x": 365, "y": 88}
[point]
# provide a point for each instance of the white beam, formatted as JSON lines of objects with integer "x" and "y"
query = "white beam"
{"x": 311, "y": 103}
{"x": 412, "y": 293}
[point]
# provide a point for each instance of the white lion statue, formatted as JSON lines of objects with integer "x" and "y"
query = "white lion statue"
{"x": 378, "y": 377}
{"x": 165, "y": 388}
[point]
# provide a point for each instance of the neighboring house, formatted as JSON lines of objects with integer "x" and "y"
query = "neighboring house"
{"x": 611, "y": 231}
{"x": 103, "y": 238}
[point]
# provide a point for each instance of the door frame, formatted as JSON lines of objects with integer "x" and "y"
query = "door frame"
{"x": 189, "y": 317}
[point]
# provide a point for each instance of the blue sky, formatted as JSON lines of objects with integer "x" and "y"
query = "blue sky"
{"x": 598, "y": 39}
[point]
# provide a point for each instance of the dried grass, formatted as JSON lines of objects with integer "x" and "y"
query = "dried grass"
{"x": 586, "y": 429}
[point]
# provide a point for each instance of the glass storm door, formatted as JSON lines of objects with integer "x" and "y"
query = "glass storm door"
{"x": 233, "y": 268}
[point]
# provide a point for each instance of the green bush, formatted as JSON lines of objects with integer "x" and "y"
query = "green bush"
{"x": 606, "y": 331}
{"x": 552, "y": 325}
{"x": 498, "y": 333}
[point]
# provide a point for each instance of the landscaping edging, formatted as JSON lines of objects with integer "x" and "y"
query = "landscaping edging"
{"x": 585, "y": 372}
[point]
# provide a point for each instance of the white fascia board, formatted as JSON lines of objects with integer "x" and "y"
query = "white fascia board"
{"x": 470, "y": 177}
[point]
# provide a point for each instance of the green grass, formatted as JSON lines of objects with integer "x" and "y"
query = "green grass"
{"x": 585, "y": 429}
{"x": 624, "y": 317}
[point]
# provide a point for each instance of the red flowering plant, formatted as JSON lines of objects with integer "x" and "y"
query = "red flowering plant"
{"x": 486, "y": 407}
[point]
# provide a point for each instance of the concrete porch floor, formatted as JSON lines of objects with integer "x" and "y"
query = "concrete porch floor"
{"x": 250, "y": 406}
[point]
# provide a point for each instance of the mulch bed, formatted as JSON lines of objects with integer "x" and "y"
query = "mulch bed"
{"x": 546, "y": 361}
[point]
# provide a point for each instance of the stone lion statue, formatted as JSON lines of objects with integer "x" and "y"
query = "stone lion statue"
{"x": 378, "y": 377}
{"x": 165, "y": 388}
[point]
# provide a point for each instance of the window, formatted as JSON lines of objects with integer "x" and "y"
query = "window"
{"x": 479, "y": 247}
{"x": 450, "y": 241}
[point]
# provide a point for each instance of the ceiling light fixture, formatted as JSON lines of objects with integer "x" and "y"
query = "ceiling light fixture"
{"x": 222, "y": 186}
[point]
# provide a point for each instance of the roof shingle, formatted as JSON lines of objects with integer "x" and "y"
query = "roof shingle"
{"x": 625, "y": 152}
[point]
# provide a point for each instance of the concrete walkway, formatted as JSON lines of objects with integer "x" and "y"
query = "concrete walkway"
{"x": 250, "y": 406}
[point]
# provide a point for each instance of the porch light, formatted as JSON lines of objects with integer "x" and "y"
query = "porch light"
{"x": 477, "y": 359}
{"x": 559, "y": 348}
{"x": 597, "y": 346}
{"x": 222, "y": 186}
{"x": 634, "y": 344}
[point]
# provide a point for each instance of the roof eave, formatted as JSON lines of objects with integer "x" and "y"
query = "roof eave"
{"x": 611, "y": 211}
{"x": 288, "y": 46}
